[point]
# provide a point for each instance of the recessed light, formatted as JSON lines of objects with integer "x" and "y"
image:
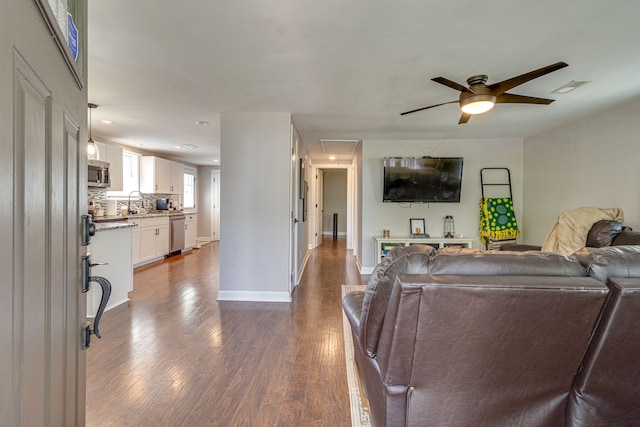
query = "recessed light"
{"x": 332, "y": 157}
{"x": 202, "y": 122}
{"x": 107, "y": 122}
{"x": 176, "y": 146}
{"x": 215, "y": 160}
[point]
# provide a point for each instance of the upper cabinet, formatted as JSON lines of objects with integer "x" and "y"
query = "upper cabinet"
{"x": 158, "y": 175}
{"x": 177, "y": 178}
{"x": 112, "y": 154}
{"x": 155, "y": 175}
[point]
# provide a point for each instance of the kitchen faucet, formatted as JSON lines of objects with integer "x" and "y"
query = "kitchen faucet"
{"x": 129, "y": 210}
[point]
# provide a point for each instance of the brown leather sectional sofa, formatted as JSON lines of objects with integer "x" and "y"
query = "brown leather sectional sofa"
{"x": 462, "y": 337}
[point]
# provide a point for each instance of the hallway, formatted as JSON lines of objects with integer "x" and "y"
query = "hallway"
{"x": 174, "y": 356}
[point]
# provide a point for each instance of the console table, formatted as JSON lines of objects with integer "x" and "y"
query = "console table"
{"x": 385, "y": 244}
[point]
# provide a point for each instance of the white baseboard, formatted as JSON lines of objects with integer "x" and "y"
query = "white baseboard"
{"x": 302, "y": 267}
{"x": 203, "y": 241}
{"x": 254, "y": 296}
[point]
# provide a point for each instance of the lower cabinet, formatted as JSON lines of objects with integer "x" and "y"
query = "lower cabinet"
{"x": 150, "y": 240}
{"x": 136, "y": 244}
{"x": 190, "y": 230}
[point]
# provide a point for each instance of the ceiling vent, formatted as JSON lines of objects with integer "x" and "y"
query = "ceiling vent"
{"x": 339, "y": 146}
{"x": 573, "y": 84}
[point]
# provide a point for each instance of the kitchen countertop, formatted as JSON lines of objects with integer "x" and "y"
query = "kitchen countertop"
{"x": 117, "y": 221}
{"x": 103, "y": 226}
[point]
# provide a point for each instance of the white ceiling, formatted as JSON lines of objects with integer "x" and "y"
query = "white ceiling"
{"x": 345, "y": 69}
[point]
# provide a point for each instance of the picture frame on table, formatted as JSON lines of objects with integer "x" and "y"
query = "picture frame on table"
{"x": 418, "y": 227}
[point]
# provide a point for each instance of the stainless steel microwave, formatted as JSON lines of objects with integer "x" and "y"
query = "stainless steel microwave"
{"x": 98, "y": 174}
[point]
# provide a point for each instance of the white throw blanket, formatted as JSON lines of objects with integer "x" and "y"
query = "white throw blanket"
{"x": 569, "y": 233}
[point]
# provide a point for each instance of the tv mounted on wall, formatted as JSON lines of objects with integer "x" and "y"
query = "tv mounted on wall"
{"x": 422, "y": 179}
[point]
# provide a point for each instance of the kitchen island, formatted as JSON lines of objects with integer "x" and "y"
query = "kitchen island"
{"x": 111, "y": 244}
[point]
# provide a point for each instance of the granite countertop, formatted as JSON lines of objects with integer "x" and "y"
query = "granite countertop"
{"x": 117, "y": 221}
{"x": 103, "y": 226}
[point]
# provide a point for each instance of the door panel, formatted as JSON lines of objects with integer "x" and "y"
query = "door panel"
{"x": 31, "y": 285}
{"x": 42, "y": 163}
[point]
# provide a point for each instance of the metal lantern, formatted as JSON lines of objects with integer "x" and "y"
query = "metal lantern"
{"x": 449, "y": 229}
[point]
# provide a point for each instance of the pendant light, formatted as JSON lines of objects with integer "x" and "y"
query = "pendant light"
{"x": 93, "y": 152}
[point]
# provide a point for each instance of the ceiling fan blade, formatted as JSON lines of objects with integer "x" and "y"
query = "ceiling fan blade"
{"x": 464, "y": 118}
{"x": 503, "y": 86}
{"x": 451, "y": 84}
{"x": 510, "y": 98}
{"x": 426, "y": 108}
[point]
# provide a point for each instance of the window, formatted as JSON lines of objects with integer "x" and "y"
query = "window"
{"x": 130, "y": 176}
{"x": 189, "y": 193}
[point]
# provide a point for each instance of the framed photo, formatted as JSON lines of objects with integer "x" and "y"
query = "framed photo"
{"x": 302, "y": 177}
{"x": 417, "y": 227}
{"x": 304, "y": 201}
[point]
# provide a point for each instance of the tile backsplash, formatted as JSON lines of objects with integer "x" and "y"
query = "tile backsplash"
{"x": 99, "y": 196}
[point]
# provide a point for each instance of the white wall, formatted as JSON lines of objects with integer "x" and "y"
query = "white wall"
{"x": 477, "y": 154}
{"x": 592, "y": 162}
{"x": 335, "y": 200}
{"x": 255, "y": 197}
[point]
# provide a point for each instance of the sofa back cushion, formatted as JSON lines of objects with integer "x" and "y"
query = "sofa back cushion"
{"x": 502, "y": 263}
{"x": 490, "y": 350}
{"x": 413, "y": 259}
{"x": 612, "y": 261}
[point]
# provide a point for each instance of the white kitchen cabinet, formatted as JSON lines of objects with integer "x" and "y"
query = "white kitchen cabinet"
{"x": 112, "y": 247}
{"x": 163, "y": 240}
{"x": 154, "y": 239}
{"x": 158, "y": 175}
{"x": 112, "y": 154}
{"x": 114, "y": 157}
{"x": 135, "y": 243}
{"x": 155, "y": 175}
{"x": 190, "y": 230}
{"x": 177, "y": 178}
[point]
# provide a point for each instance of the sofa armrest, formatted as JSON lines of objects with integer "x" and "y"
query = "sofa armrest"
{"x": 627, "y": 238}
{"x": 352, "y": 306}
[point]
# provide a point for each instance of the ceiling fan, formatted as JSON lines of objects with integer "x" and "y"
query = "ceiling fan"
{"x": 480, "y": 97}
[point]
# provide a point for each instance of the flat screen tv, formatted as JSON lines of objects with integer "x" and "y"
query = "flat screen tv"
{"x": 422, "y": 179}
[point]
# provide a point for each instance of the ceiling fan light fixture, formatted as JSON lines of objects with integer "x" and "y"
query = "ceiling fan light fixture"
{"x": 477, "y": 104}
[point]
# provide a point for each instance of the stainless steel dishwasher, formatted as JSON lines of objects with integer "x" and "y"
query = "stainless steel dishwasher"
{"x": 177, "y": 233}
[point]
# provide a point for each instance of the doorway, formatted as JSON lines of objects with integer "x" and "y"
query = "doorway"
{"x": 341, "y": 198}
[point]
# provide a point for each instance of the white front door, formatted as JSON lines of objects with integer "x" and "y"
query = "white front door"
{"x": 43, "y": 109}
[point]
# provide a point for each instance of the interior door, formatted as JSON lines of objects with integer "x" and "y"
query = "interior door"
{"x": 215, "y": 205}
{"x": 43, "y": 109}
{"x": 296, "y": 209}
{"x": 319, "y": 211}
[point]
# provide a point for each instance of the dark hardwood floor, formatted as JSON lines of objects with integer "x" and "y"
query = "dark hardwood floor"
{"x": 174, "y": 356}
